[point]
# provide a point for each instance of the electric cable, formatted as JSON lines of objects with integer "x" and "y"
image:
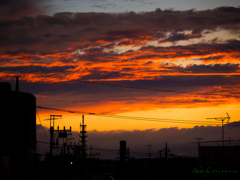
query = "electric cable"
{"x": 136, "y": 118}
{"x": 41, "y": 125}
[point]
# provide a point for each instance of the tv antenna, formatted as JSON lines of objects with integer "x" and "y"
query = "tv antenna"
{"x": 222, "y": 119}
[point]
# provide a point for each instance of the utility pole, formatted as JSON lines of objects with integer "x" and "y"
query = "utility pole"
{"x": 149, "y": 150}
{"x": 83, "y": 137}
{"x": 222, "y": 119}
{"x": 52, "y": 132}
{"x": 166, "y": 151}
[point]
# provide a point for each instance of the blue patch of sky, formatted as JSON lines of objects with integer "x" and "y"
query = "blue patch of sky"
{"x": 133, "y": 5}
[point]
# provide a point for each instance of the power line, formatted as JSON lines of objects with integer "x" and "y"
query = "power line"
{"x": 131, "y": 87}
{"x": 135, "y": 118}
{"x": 143, "y": 88}
{"x": 42, "y": 126}
{"x": 156, "y": 119}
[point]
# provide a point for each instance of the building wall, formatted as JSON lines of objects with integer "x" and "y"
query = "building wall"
{"x": 219, "y": 155}
{"x": 18, "y": 122}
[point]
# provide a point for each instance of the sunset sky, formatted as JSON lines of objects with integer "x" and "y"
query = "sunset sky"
{"x": 177, "y": 62}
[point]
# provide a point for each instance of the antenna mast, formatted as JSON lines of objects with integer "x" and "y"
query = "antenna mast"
{"x": 221, "y": 119}
{"x": 83, "y": 137}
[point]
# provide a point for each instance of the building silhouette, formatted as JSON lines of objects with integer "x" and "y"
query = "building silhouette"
{"x": 18, "y": 131}
{"x": 219, "y": 155}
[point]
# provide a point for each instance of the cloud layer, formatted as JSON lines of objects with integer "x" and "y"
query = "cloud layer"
{"x": 180, "y": 141}
{"x": 195, "y": 52}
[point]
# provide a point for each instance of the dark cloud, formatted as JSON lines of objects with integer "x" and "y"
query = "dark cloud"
{"x": 86, "y": 39}
{"x": 177, "y": 37}
{"x": 216, "y": 68}
{"x": 17, "y": 8}
{"x": 148, "y": 63}
{"x": 72, "y": 93}
{"x": 212, "y": 58}
{"x": 104, "y": 75}
{"x": 167, "y": 82}
{"x": 127, "y": 69}
{"x": 40, "y": 69}
{"x": 125, "y": 43}
{"x": 123, "y": 34}
{"x": 233, "y": 42}
{"x": 233, "y": 125}
{"x": 189, "y": 50}
{"x": 180, "y": 36}
{"x": 20, "y": 39}
{"x": 228, "y": 9}
{"x": 179, "y": 140}
{"x": 19, "y": 51}
{"x": 62, "y": 29}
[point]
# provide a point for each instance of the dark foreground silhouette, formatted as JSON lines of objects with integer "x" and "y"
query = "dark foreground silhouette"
{"x": 63, "y": 167}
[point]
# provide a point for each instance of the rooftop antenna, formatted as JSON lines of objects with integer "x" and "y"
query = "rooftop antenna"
{"x": 228, "y": 117}
{"x": 222, "y": 119}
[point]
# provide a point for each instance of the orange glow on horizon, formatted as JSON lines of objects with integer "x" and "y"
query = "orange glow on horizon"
{"x": 190, "y": 116}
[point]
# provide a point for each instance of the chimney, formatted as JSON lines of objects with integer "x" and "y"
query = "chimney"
{"x": 123, "y": 151}
{"x": 17, "y": 85}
